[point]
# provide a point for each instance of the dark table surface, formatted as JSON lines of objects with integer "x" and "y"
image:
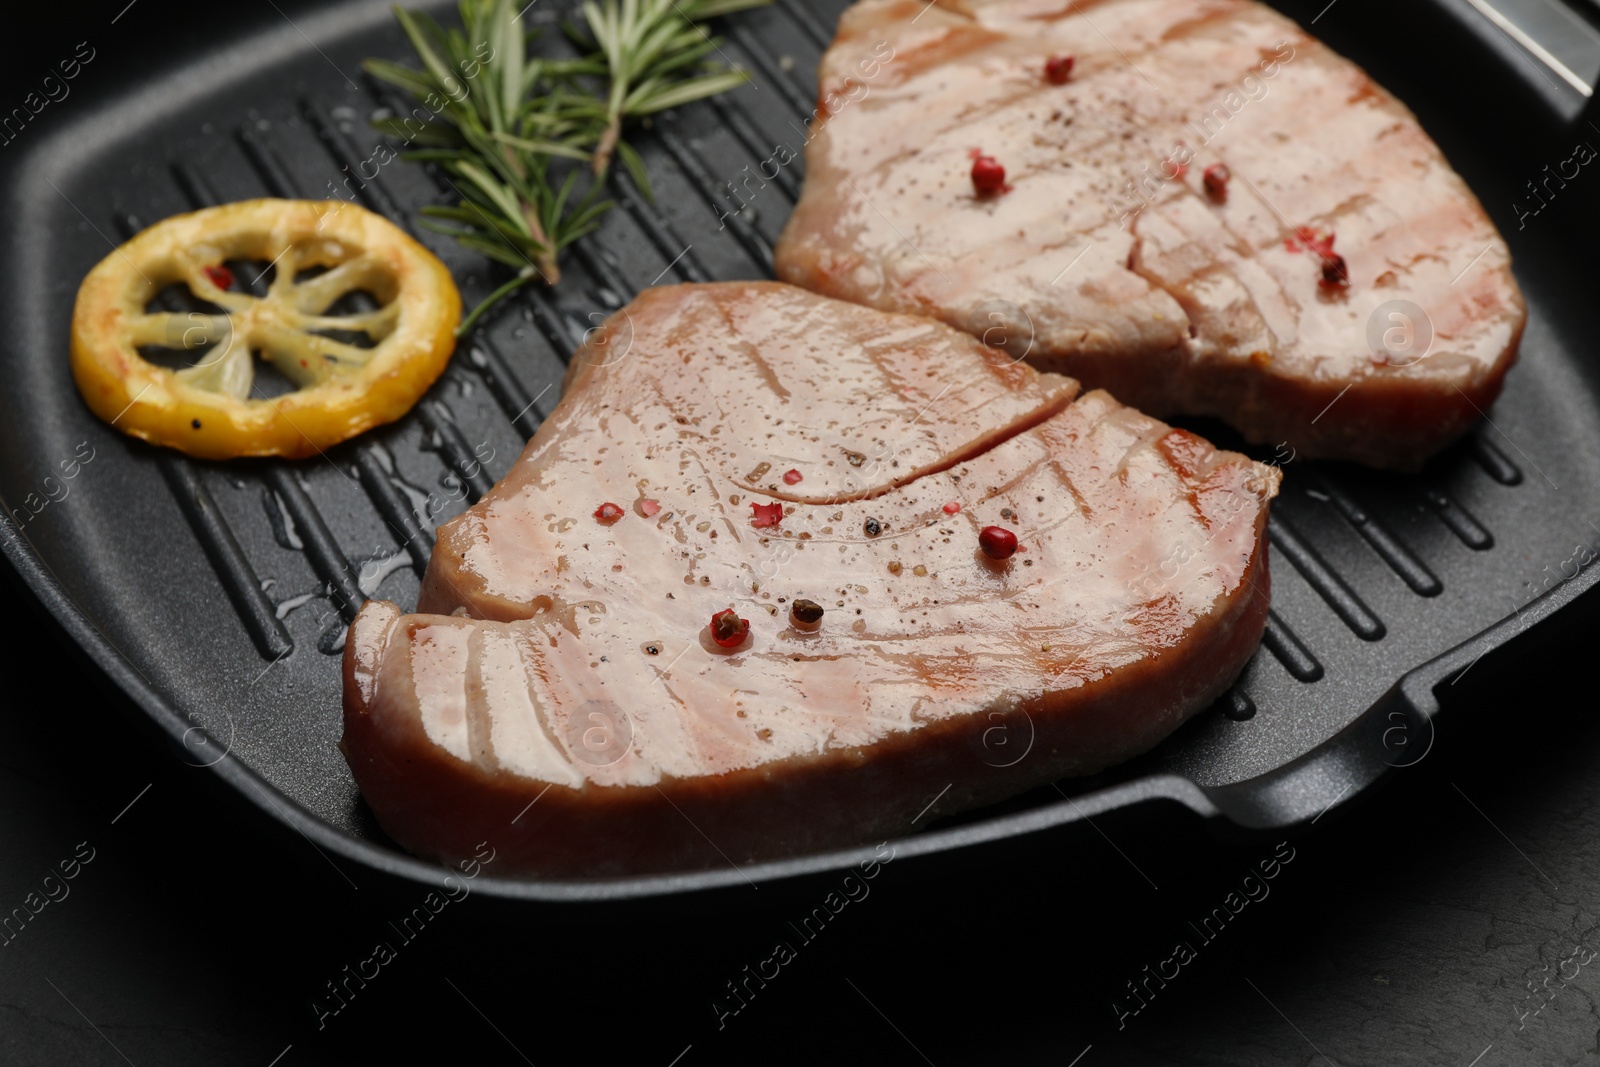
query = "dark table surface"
{"x": 1450, "y": 916}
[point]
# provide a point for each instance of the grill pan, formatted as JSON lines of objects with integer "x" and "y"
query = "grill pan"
{"x": 216, "y": 594}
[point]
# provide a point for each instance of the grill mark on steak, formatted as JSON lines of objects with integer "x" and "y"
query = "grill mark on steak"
{"x": 1156, "y": 282}
{"x": 1046, "y": 411}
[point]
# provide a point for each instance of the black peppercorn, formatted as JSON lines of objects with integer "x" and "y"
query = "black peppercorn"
{"x": 805, "y": 615}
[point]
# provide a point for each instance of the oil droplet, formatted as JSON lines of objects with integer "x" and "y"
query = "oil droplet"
{"x": 1238, "y": 706}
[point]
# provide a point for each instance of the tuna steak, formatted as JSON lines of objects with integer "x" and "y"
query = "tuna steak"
{"x": 753, "y": 446}
{"x": 1208, "y": 213}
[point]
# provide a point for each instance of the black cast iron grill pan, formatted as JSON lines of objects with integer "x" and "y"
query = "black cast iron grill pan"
{"x": 217, "y": 595}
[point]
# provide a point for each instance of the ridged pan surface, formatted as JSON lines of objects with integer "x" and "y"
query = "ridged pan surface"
{"x": 217, "y": 594}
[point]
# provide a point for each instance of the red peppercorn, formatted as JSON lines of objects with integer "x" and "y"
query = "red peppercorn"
{"x": 728, "y": 630}
{"x": 953, "y": 508}
{"x": 607, "y": 514}
{"x": 764, "y": 515}
{"x": 1334, "y": 273}
{"x": 997, "y": 542}
{"x": 988, "y": 176}
{"x": 220, "y": 276}
{"x": 1058, "y": 69}
{"x": 792, "y": 477}
{"x": 1216, "y": 178}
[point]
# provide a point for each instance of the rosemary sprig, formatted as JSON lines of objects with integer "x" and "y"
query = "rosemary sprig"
{"x": 654, "y": 52}
{"x": 494, "y": 136}
{"x": 526, "y": 141}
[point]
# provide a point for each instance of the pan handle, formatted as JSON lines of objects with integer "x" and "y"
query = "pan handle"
{"x": 1563, "y": 36}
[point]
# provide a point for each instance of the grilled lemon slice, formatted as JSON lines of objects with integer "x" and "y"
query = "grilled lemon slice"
{"x": 320, "y": 252}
